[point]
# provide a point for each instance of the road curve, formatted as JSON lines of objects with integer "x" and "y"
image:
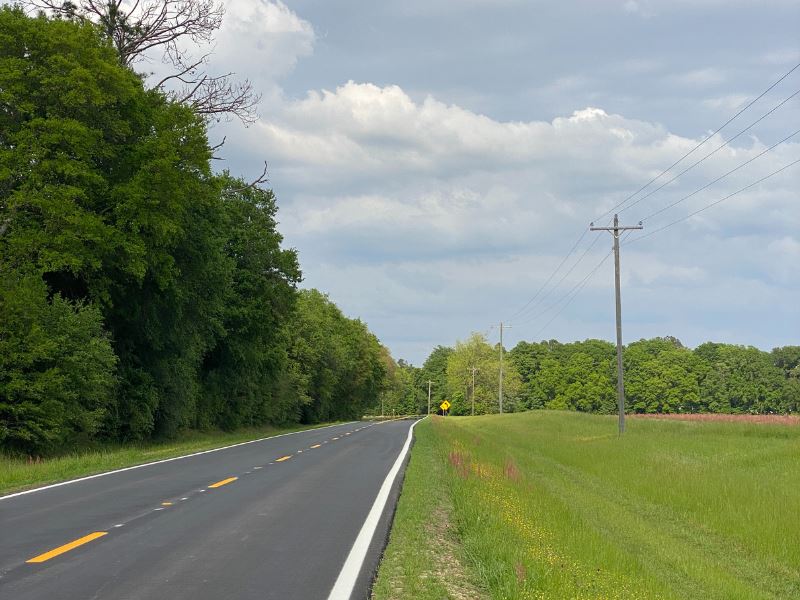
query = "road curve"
{"x": 276, "y": 518}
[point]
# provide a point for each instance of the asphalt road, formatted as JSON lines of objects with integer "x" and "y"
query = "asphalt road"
{"x": 283, "y": 528}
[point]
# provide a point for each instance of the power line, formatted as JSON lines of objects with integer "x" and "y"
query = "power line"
{"x": 575, "y": 245}
{"x": 577, "y": 288}
{"x": 564, "y": 276}
{"x": 712, "y": 153}
{"x": 573, "y": 293}
{"x": 707, "y": 206}
{"x": 571, "y": 250}
{"x": 703, "y": 141}
{"x": 561, "y": 299}
{"x": 706, "y": 186}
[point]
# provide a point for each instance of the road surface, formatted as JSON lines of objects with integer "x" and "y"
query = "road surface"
{"x": 276, "y": 518}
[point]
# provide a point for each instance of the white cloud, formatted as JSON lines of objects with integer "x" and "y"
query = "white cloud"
{"x": 260, "y": 40}
{"x": 431, "y": 211}
{"x": 783, "y": 56}
{"x": 274, "y": 37}
{"x": 729, "y": 104}
{"x": 700, "y": 77}
{"x": 430, "y": 220}
{"x": 643, "y": 8}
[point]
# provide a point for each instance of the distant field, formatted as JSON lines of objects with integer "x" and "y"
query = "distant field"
{"x": 763, "y": 419}
{"x": 556, "y": 505}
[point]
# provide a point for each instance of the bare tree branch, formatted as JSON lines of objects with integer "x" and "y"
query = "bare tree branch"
{"x": 137, "y": 26}
{"x": 216, "y": 147}
{"x": 190, "y": 69}
{"x": 255, "y": 183}
{"x": 219, "y": 97}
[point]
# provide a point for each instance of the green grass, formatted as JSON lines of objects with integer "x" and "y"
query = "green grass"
{"x": 17, "y": 474}
{"x": 423, "y": 560}
{"x": 556, "y": 505}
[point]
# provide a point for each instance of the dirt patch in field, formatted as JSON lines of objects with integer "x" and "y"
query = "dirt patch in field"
{"x": 767, "y": 419}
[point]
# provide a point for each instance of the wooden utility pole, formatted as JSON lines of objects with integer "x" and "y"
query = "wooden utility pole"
{"x": 615, "y": 231}
{"x": 473, "y": 369}
{"x": 429, "y": 395}
{"x": 501, "y": 365}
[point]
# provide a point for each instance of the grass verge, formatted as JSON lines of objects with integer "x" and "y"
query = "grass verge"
{"x": 423, "y": 559}
{"x": 18, "y": 474}
{"x": 556, "y": 505}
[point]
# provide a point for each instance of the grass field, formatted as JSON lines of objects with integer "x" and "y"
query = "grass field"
{"x": 556, "y": 505}
{"x": 18, "y": 474}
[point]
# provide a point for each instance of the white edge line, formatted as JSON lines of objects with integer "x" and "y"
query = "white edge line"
{"x": 166, "y": 460}
{"x": 343, "y": 588}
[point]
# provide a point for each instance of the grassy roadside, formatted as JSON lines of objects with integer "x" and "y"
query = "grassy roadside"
{"x": 555, "y": 505}
{"x": 423, "y": 559}
{"x": 18, "y": 474}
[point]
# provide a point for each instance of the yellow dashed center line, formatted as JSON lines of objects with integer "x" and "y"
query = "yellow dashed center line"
{"x": 316, "y": 445}
{"x": 223, "y": 482}
{"x": 67, "y": 547}
{"x": 282, "y": 458}
{"x": 166, "y": 504}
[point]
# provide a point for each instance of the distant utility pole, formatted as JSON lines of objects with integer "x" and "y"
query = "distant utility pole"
{"x": 429, "y": 395}
{"x": 615, "y": 231}
{"x": 501, "y": 364}
{"x": 473, "y": 369}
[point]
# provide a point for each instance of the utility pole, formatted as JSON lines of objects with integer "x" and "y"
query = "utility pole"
{"x": 501, "y": 364}
{"x": 429, "y": 395}
{"x": 615, "y": 231}
{"x": 473, "y": 369}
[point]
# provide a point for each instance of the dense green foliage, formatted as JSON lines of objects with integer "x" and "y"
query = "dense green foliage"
{"x": 337, "y": 365}
{"x": 57, "y": 367}
{"x": 141, "y": 293}
{"x": 661, "y": 376}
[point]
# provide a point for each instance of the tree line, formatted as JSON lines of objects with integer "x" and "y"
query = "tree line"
{"x": 661, "y": 376}
{"x": 141, "y": 293}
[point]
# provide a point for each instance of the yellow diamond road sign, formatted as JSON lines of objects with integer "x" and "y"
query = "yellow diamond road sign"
{"x": 444, "y": 405}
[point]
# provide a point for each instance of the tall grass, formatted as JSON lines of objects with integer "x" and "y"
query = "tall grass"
{"x": 556, "y": 505}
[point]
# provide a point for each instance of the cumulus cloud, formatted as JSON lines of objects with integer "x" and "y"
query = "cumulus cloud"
{"x": 274, "y": 36}
{"x": 430, "y": 211}
{"x": 430, "y": 218}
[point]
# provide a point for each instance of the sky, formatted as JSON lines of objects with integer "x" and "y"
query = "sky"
{"x": 434, "y": 161}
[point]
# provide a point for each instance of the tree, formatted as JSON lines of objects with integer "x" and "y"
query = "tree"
{"x": 662, "y": 377}
{"x": 477, "y": 352}
{"x": 434, "y": 369}
{"x": 138, "y": 27}
{"x": 787, "y": 359}
{"x": 339, "y": 368}
{"x": 244, "y": 370}
{"x": 576, "y": 376}
{"x": 108, "y": 196}
{"x": 120, "y": 248}
{"x": 402, "y": 394}
{"x": 743, "y": 379}
{"x": 56, "y": 368}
